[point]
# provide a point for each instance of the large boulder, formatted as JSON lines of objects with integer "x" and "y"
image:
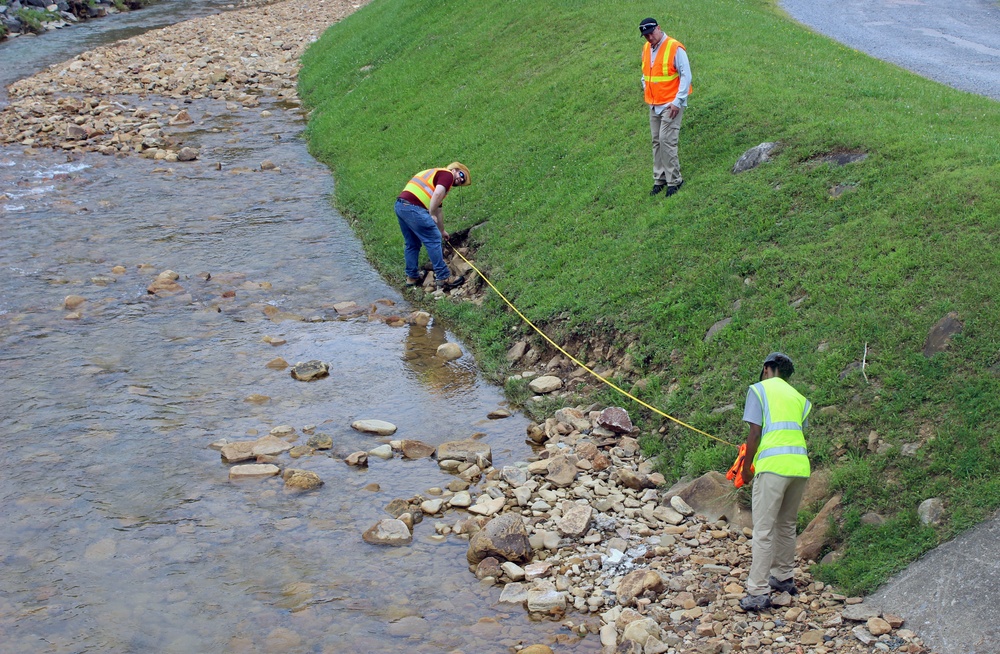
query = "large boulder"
{"x": 753, "y": 157}
{"x": 811, "y": 542}
{"x": 713, "y": 496}
{"x": 503, "y": 538}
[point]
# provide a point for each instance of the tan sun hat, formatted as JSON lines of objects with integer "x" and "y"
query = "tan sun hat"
{"x": 463, "y": 178}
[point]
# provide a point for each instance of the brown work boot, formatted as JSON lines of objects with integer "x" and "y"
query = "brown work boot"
{"x": 452, "y": 282}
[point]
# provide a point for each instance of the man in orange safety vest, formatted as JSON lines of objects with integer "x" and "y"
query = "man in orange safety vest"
{"x": 666, "y": 83}
{"x": 418, "y": 209}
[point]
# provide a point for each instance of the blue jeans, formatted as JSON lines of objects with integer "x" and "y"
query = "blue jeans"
{"x": 419, "y": 228}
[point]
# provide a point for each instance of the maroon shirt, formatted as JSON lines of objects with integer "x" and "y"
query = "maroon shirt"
{"x": 443, "y": 178}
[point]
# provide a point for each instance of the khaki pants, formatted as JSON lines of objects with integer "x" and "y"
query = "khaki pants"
{"x": 665, "y": 132}
{"x": 775, "y": 511}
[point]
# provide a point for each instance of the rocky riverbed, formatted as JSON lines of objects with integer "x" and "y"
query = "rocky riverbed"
{"x": 94, "y": 102}
{"x": 587, "y": 530}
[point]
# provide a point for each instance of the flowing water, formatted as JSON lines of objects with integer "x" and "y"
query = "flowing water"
{"x": 122, "y": 531}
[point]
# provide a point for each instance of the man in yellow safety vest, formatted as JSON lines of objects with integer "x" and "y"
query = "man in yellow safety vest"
{"x": 418, "y": 209}
{"x": 778, "y": 463}
{"x": 666, "y": 83}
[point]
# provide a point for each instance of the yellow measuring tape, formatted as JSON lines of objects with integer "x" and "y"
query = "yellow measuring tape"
{"x": 579, "y": 363}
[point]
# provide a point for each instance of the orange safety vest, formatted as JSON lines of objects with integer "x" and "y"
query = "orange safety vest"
{"x": 662, "y": 83}
{"x": 422, "y": 185}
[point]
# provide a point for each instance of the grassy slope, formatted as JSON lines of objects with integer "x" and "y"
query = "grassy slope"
{"x": 541, "y": 101}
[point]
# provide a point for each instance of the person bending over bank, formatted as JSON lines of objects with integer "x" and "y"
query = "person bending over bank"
{"x": 418, "y": 209}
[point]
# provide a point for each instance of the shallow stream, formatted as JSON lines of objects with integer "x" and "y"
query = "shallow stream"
{"x": 122, "y": 531}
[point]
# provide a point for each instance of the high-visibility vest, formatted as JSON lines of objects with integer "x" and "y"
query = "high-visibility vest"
{"x": 782, "y": 447}
{"x": 662, "y": 83}
{"x": 422, "y": 185}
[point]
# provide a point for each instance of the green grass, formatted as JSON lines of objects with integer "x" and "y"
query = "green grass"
{"x": 542, "y": 102}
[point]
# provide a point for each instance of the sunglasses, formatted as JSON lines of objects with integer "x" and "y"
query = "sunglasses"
{"x": 461, "y": 178}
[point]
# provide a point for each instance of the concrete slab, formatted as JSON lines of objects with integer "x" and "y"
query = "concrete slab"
{"x": 951, "y": 596}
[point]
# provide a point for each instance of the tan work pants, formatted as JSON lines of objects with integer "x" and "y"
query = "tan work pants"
{"x": 665, "y": 132}
{"x": 775, "y": 511}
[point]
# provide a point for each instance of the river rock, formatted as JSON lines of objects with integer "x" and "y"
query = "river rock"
{"x": 187, "y": 154}
{"x": 236, "y": 452}
{"x": 487, "y": 506}
{"x": 860, "y": 612}
{"x": 382, "y": 452}
{"x": 449, "y": 351}
{"x": 640, "y": 631}
{"x": 73, "y": 302}
{"x": 388, "y": 532}
{"x": 301, "y": 479}
{"x": 320, "y": 442}
{"x": 514, "y": 476}
{"x": 514, "y": 593}
{"x": 467, "y": 450}
{"x": 503, "y": 537}
{"x": 634, "y": 480}
{"x": 430, "y": 507}
{"x": 561, "y": 472}
{"x": 379, "y": 427}
{"x": 499, "y": 414}
{"x": 310, "y": 370}
{"x": 637, "y": 582}
{"x": 615, "y": 419}
{"x": 270, "y": 446}
{"x": 253, "y": 471}
{"x": 545, "y": 599}
{"x": 536, "y": 649}
{"x": 357, "y": 459}
{"x": 420, "y": 318}
{"x": 545, "y": 384}
{"x": 277, "y": 364}
{"x": 461, "y": 500}
{"x": 488, "y": 567}
{"x": 878, "y": 626}
{"x": 575, "y": 521}
{"x": 182, "y": 117}
{"x": 415, "y": 449}
{"x": 679, "y": 505}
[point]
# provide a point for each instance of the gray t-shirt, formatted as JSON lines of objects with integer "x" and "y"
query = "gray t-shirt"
{"x": 753, "y": 412}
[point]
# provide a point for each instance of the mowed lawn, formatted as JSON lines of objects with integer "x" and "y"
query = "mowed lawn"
{"x": 542, "y": 101}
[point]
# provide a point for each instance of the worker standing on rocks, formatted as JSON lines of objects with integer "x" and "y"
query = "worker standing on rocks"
{"x": 418, "y": 208}
{"x": 778, "y": 462}
{"x": 666, "y": 83}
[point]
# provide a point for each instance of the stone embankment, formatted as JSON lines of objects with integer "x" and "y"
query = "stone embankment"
{"x": 89, "y": 104}
{"x": 588, "y": 530}
{"x": 38, "y": 16}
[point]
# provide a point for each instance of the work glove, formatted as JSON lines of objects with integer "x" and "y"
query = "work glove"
{"x": 735, "y": 473}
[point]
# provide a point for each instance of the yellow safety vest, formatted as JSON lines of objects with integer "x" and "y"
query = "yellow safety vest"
{"x": 782, "y": 447}
{"x": 661, "y": 76}
{"x": 422, "y": 185}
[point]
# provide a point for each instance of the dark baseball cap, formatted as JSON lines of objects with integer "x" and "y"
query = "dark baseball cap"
{"x": 647, "y": 25}
{"x": 773, "y": 358}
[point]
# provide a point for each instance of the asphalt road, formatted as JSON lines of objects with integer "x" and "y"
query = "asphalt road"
{"x": 955, "y": 42}
{"x": 951, "y": 596}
